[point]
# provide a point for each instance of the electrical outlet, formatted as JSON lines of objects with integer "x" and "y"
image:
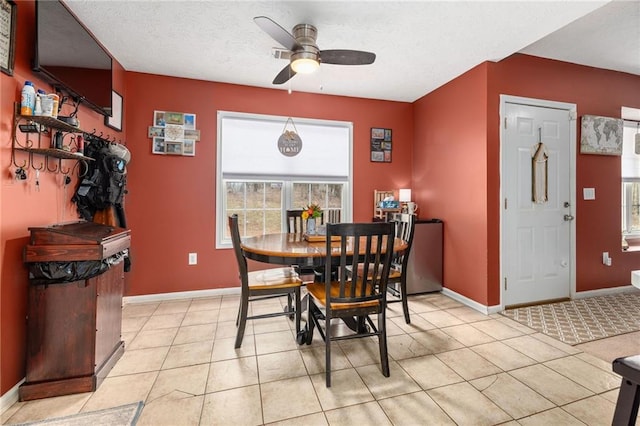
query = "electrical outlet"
{"x": 193, "y": 258}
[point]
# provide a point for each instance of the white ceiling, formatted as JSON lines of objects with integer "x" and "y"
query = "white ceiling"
{"x": 420, "y": 45}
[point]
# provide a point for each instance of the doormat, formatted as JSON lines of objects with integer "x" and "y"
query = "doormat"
{"x": 125, "y": 415}
{"x": 582, "y": 320}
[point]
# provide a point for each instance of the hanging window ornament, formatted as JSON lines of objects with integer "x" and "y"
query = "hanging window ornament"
{"x": 289, "y": 142}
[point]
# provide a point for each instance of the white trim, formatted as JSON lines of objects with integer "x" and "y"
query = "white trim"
{"x": 487, "y": 310}
{"x": 572, "y": 109}
{"x": 10, "y": 397}
{"x": 605, "y": 292}
{"x": 163, "y": 297}
{"x": 220, "y": 208}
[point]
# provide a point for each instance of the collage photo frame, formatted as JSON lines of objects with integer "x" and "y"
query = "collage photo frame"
{"x": 173, "y": 133}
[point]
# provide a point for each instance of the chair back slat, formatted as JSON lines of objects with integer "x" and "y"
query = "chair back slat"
{"x": 333, "y": 215}
{"x": 405, "y": 225}
{"x": 237, "y": 250}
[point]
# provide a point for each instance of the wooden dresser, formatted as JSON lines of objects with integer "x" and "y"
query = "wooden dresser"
{"x": 73, "y": 328}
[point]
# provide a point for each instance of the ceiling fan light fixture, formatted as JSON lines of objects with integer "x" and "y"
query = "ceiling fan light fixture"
{"x": 304, "y": 65}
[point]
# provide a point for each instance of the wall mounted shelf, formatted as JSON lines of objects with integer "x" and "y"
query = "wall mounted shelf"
{"x": 37, "y": 140}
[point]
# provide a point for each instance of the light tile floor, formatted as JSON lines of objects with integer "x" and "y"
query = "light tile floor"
{"x": 452, "y": 365}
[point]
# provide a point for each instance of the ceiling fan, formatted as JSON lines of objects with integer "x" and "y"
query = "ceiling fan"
{"x": 305, "y": 56}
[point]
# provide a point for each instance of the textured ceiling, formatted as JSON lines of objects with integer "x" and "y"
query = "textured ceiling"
{"x": 420, "y": 45}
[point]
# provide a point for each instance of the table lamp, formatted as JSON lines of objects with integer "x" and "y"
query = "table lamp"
{"x": 404, "y": 196}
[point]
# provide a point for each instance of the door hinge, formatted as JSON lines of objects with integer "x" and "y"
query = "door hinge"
{"x": 505, "y": 283}
{"x": 505, "y": 122}
{"x": 505, "y": 203}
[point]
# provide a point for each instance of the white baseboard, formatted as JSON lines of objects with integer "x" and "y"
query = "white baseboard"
{"x": 10, "y": 397}
{"x": 487, "y": 310}
{"x": 162, "y": 297}
{"x": 605, "y": 291}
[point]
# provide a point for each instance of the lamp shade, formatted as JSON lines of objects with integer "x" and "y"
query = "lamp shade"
{"x": 404, "y": 195}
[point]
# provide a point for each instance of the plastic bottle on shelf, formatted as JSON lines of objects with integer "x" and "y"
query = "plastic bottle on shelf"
{"x": 28, "y": 101}
{"x": 54, "y": 109}
{"x": 37, "y": 110}
{"x": 80, "y": 142}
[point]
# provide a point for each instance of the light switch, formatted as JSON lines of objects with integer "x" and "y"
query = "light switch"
{"x": 589, "y": 193}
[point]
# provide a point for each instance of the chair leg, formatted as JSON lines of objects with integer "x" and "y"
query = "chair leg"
{"x": 382, "y": 341}
{"x": 298, "y": 309}
{"x": 405, "y": 303}
{"x": 327, "y": 344}
{"x": 244, "y": 307}
{"x": 626, "y": 410}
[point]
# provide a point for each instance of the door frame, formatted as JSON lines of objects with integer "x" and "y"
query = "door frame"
{"x": 572, "y": 111}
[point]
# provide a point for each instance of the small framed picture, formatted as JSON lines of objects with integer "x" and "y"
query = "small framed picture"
{"x": 156, "y": 132}
{"x": 157, "y": 146}
{"x": 189, "y": 121}
{"x": 377, "y": 133}
{"x": 115, "y": 119}
{"x": 174, "y": 118}
{"x": 381, "y": 145}
{"x": 173, "y": 148}
{"x": 189, "y": 147}
{"x": 158, "y": 119}
{"x": 8, "y": 15}
{"x": 192, "y": 134}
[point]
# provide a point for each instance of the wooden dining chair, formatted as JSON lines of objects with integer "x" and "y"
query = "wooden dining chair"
{"x": 353, "y": 298}
{"x": 397, "y": 284}
{"x": 263, "y": 284}
{"x": 297, "y": 225}
{"x": 405, "y": 225}
{"x": 333, "y": 215}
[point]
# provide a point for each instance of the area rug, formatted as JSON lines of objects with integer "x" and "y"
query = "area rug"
{"x": 582, "y": 320}
{"x": 125, "y": 415}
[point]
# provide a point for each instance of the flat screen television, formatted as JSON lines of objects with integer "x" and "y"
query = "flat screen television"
{"x": 70, "y": 58}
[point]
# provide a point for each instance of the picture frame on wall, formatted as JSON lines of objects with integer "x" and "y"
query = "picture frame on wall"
{"x": 189, "y": 147}
{"x": 115, "y": 119}
{"x": 173, "y": 133}
{"x": 601, "y": 135}
{"x": 158, "y": 119}
{"x": 173, "y": 148}
{"x": 157, "y": 146}
{"x": 381, "y": 145}
{"x": 8, "y": 13}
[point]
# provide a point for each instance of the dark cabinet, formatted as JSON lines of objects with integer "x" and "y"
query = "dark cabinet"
{"x": 73, "y": 328}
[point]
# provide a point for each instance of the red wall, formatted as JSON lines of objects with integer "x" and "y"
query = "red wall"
{"x": 450, "y": 177}
{"x": 457, "y": 151}
{"x": 171, "y": 203}
{"x": 595, "y": 92}
{"x": 21, "y": 206}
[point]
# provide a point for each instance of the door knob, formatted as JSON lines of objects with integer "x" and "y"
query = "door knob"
{"x": 568, "y": 217}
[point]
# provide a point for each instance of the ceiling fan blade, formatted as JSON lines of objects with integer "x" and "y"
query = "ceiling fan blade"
{"x": 284, "y": 75}
{"x": 276, "y": 32}
{"x": 346, "y": 57}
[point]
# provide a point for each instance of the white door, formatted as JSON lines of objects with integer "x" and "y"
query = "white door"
{"x": 536, "y": 235}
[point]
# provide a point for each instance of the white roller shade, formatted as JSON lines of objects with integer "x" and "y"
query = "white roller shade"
{"x": 630, "y": 160}
{"x": 249, "y": 144}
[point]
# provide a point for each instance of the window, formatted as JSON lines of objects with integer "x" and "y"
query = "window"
{"x": 258, "y": 183}
{"x": 630, "y": 177}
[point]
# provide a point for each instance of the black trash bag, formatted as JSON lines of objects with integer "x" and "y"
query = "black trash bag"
{"x": 65, "y": 272}
{"x": 69, "y": 271}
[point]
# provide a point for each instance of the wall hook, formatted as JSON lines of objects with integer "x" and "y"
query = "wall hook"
{"x": 54, "y": 170}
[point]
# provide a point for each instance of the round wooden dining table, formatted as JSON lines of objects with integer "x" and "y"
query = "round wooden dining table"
{"x": 295, "y": 249}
